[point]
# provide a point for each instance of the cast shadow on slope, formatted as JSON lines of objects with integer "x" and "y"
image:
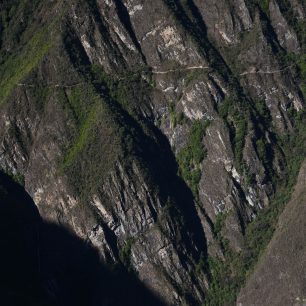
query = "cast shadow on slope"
{"x": 45, "y": 264}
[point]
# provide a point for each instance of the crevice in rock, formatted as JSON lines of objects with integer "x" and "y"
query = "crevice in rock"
{"x": 124, "y": 17}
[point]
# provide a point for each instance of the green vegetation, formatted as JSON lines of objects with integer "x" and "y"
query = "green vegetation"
{"x": 97, "y": 140}
{"x": 261, "y": 150}
{"x": 300, "y": 61}
{"x": 17, "y": 178}
{"x": 95, "y": 143}
{"x": 262, "y": 113}
{"x": 228, "y": 275}
{"x": 194, "y": 75}
{"x": 125, "y": 253}
{"x": 76, "y": 97}
{"x": 222, "y": 285}
{"x": 12, "y": 12}
{"x": 108, "y": 113}
{"x": 219, "y": 222}
{"x": 236, "y": 116}
{"x": 25, "y": 45}
{"x": 191, "y": 156}
{"x": 19, "y": 65}
{"x": 302, "y": 67}
{"x": 264, "y": 5}
{"x": 262, "y": 124}
{"x": 299, "y": 25}
{"x": 176, "y": 118}
{"x": 84, "y": 135}
{"x": 225, "y": 274}
{"x": 240, "y": 125}
{"x": 130, "y": 86}
{"x": 38, "y": 92}
{"x": 201, "y": 265}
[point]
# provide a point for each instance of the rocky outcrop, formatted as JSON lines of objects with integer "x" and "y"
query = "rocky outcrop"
{"x": 137, "y": 124}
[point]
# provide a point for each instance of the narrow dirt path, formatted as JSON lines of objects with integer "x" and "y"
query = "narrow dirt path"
{"x": 180, "y": 69}
{"x": 254, "y": 71}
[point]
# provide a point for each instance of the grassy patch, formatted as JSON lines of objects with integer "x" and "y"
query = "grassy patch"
{"x": 19, "y": 65}
{"x": 25, "y": 38}
{"x": 84, "y": 134}
{"x": 194, "y": 75}
{"x": 96, "y": 142}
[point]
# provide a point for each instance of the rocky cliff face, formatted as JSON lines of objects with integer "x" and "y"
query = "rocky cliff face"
{"x": 156, "y": 131}
{"x": 45, "y": 264}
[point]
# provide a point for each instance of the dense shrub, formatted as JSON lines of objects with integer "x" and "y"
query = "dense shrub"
{"x": 190, "y": 157}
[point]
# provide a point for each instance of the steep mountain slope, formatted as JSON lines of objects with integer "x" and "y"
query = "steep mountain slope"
{"x": 157, "y": 131}
{"x": 279, "y": 277}
{"x": 44, "y": 264}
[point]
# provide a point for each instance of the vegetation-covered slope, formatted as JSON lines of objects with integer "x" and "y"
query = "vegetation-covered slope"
{"x": 279, "y": 275}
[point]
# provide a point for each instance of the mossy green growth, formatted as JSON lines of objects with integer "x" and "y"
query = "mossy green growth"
{"x": 190, "y": 157}
{"x": 82, "y": 100}
{"x": 84, "y": 134}
{"x": 194, "y": 75}
{"x": 176, "y": 118}
{"x": 236, "y": 116}
{"x": 20, "y": 64}
{"x": 301, "y": 63}
{"x": 219, "y": 222}
{"x": 261, "y": 148}
{"x": 125, "y": 253}
{"x": 95, "y": 143}
{"x": 264, "y": 5}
